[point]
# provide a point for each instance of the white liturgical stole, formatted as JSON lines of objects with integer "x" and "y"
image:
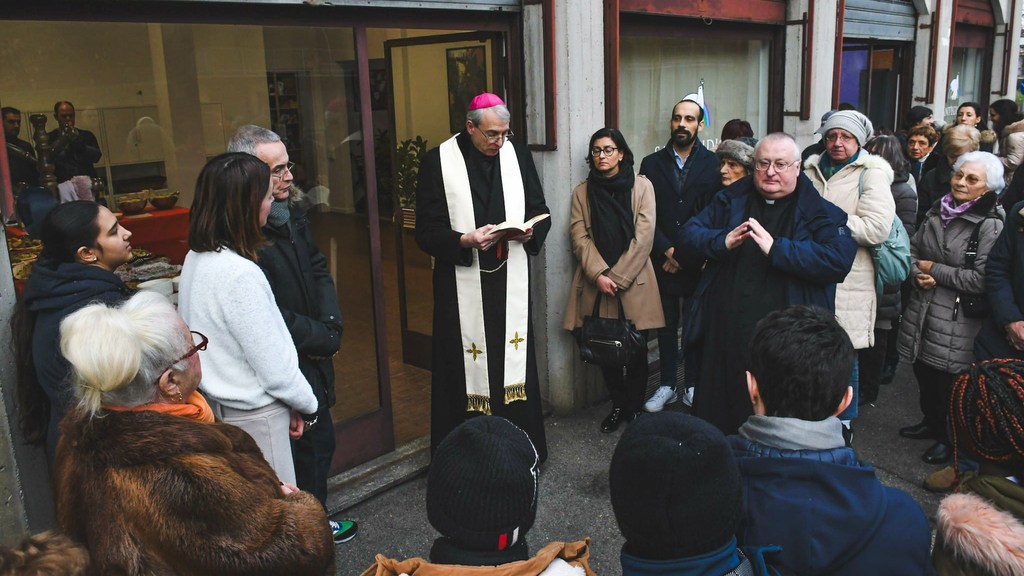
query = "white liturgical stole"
{"x": 469, "y": 287}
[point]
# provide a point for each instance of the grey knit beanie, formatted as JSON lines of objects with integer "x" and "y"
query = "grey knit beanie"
{"x": 853, "y": 122}
{"x": 738, "y": 151}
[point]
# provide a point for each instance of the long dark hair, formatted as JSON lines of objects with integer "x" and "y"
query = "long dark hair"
{"x": 1008, "y": 114}
{"x": 620, "y": 143}
{"x": 64, "y": 230}
{"x": 889, "y": 148}
{"x": 226, "y": 208}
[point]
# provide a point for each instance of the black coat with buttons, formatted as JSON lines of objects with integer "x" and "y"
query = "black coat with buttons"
{"x": 308, "y": 300}
{"x": 675, "y": 207}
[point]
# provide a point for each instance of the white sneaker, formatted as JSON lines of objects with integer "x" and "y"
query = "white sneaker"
{"x": 688, "y": 397}
{"x": 663, "y": 395}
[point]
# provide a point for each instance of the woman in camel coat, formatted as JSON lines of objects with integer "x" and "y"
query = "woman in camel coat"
{"x": 612, "y": 231}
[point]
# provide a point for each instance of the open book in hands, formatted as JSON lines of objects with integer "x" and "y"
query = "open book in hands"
{"x": 508, "y": 230}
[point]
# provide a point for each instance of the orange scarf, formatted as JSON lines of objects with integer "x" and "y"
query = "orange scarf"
{"x": 194, "y": 408}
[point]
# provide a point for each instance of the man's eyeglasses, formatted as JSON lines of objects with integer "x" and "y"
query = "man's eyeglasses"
{"x": 780, "y": 166}
{"x": 280, "y": 170}
{"x": 502, "y": 136}
{"x": 606, "y": 151}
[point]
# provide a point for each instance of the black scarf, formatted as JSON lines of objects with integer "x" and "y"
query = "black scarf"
{"x": 611, "y": 211}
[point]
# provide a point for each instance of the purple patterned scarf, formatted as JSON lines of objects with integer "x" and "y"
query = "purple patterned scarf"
{"x": 949, "y": 210}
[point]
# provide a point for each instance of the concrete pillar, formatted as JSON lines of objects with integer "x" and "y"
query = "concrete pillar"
{"x": 579, "y": 59}
{"x": 922, "y": 54}
{"x": 822, "y": 67}
{"x": 177, "y": 94}
{"x": 26, "y": 503}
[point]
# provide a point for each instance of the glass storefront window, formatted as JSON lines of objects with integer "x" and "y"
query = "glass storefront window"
{"x": 162, "y": 99}
{"x": 870, "y": 81}
{"x": 656, "y": 73}
{"x": 964, "y": 80}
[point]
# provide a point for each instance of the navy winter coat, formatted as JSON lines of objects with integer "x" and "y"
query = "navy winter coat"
{"x": 817, "y": 257}
{"x": 305, "y": 293}
{"x": 1004, "y": 283}
{"x": 55, "y": 290}
{"x": 829, "y": 513}
{"x": 674, "y": 209}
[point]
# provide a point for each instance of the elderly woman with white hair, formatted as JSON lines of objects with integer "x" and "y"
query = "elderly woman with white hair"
{"x": 948, "y": 304}
{"x": 147, "y": 480}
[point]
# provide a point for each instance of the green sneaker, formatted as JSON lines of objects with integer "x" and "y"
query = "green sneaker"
{"x": 344, "y": 530}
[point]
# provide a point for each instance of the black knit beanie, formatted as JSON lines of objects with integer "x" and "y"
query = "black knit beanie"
{"x": 482, "y": 486}
{"x": 675, "y": 487}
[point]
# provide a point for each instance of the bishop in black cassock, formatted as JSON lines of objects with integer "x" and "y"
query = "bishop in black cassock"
{"x": 435, "y": 236}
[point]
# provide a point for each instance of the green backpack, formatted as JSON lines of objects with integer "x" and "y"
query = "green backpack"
{"x": 891, "y": 257}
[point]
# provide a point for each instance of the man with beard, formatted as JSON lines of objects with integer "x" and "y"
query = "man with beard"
{"x": 685, "y": 177}
{"x": 306, "y": 294}
{"x": 22, "y": 169}
{"x": 770, "y": 241}
{"x": 483, "y": 359}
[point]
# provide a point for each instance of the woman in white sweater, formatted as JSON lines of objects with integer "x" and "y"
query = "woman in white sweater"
{"x": 251, "y": 369}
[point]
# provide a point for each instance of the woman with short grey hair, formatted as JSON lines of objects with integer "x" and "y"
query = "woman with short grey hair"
{"x": 948, "y": 304}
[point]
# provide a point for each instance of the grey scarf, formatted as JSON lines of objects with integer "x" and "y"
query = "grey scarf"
{"x": 279, "y": 214}
{"x": 793, "y": 433}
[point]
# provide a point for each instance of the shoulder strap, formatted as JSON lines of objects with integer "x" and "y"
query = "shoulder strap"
{"x": 745, "y": 568}
{"x": 860, "y": 184}
{"x": 971, "y": 253}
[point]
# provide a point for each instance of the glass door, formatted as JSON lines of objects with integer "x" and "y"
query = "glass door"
{"x": 432, "y": 80}
{"x": 871, "y": 81}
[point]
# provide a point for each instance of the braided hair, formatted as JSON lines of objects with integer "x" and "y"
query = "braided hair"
{"x": 986, "y": 411}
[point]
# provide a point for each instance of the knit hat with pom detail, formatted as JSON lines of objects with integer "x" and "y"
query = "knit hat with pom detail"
{"x": 675, "y": 487}
{"x": 482, "y": 485}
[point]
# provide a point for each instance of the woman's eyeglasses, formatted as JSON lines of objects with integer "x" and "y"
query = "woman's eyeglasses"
{"x": 203, "y": 341}
{"x": 606, "y": 151}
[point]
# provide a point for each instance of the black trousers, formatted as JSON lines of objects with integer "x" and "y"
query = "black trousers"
{"x": 934, "y": 387}
{"x": 627, "y": 386}
{"x": 312, "y": 455}
{"x": 870, "y": 363}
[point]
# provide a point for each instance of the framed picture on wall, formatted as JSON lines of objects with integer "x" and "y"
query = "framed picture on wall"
{"x": 467, "y": 78}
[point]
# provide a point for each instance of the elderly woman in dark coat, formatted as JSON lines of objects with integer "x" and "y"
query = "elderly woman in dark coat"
{"x": 146, "y": 479}
{"x": 939, "y": 326}
{"x": 611, "y": 228}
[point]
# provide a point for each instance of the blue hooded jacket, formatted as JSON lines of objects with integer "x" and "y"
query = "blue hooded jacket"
{"x": 817, "y": 257}
{"x": 829, "y": 513}
{"x": 55, "y": 290}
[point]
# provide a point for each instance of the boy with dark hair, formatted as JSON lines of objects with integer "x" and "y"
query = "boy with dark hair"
{"x": 804, "y": 489}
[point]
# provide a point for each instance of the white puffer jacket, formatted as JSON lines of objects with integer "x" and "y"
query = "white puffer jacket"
{"x": 1011, "y": 149}
{"x": 870, "y": 214}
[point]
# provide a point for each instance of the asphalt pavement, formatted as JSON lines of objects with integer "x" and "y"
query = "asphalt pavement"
{"x": 574, "y": 501}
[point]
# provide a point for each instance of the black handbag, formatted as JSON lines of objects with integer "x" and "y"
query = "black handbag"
{"x": 972, "y": 305}
{"x": 609, "y": 342}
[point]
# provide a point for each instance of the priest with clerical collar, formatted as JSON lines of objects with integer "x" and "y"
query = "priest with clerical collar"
{"x": 483, "y": 354}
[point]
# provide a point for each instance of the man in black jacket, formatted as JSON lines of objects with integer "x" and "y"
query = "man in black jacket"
{"x": 685, "y": 177}
{"x": 82, "y": 151}
{"x": 308, "y": 300}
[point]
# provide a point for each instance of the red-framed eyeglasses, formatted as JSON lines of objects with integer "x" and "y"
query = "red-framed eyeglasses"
{"x": 203, "y": 341}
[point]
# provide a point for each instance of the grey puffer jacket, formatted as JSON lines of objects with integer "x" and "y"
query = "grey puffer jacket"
{"x": 906, "y": 209}
{"x": 929, "y": 331}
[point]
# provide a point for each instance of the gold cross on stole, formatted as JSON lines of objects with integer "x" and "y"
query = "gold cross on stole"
{"x": 474, "y": 351}
{"x": 516, "y": 340}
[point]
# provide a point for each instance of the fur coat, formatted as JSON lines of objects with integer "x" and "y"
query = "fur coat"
{"x": 555, "y": 559}
{"x": 155, "y": 494}
{"x": 980, "y": 532}
{"x": 871, "y": 213}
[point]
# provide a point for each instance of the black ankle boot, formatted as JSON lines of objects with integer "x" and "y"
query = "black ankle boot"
{"x": 611, "y": 423}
